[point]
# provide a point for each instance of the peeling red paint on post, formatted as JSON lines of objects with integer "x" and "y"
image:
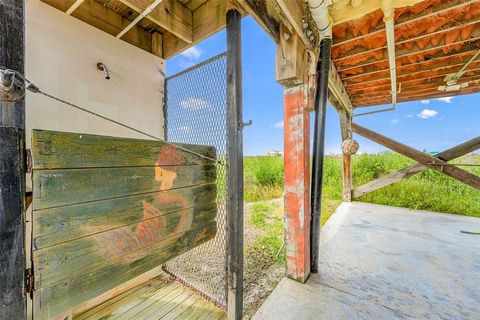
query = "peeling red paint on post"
{"x": 297, "y": 183}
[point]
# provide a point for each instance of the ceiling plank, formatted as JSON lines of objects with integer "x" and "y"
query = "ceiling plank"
{"x": 430, "y": 95}
{"x": 343, "y": 35}
{"x": 208, "y": 19}
{"x": 74, "y": 6}
{"x": 408, "y": 41}
{"x": 107, "y": 20}
{"x": 405, "y": 78}
{"x": 170, "y": 15}
{"x": 445, "y": 41}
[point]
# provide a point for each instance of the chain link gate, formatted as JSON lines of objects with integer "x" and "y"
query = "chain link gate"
{"x": 195, "y": 113}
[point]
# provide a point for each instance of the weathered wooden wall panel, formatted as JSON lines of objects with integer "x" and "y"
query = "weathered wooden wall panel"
{"x": 106, "y": 210}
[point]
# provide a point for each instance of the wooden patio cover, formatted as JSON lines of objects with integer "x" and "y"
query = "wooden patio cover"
{"x": 434, "y": 38}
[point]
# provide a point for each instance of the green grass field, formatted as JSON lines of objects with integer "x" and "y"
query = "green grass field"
{"x": 430, "y": 190}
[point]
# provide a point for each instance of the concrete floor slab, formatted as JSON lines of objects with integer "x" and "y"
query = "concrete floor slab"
{"x": 381, "y": 262}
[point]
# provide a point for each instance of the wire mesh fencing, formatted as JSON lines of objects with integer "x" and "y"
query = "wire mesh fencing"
{"x": 195, "y": 113}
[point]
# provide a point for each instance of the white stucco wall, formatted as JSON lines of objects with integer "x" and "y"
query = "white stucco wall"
{"x": 61, "y": 57}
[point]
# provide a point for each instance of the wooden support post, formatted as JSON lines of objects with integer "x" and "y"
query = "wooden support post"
{"x": 297, "y": 183}
{"x": 345, "y": 126}
{"x": 12, "y": 176}
{"x": 423, "y": 158}
{"x": 447, "y": 155}
{"x": 234, "y": 166}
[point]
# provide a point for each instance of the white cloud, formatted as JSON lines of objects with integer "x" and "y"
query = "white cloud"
{"x": 410, "y": 115}
{"x": 194, "y": 104}
{"x": 445, "y": 99}
{"x": 427, "y": 113}
{"x": 186, "y": 64}
{"x": 278, "y": 124}
{"x": 192, "y": 53}
{"x": 425, "y": 101}
{"x": 395, "y": 121}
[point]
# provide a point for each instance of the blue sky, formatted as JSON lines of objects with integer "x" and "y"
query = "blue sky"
{"x": 432, "y": 125}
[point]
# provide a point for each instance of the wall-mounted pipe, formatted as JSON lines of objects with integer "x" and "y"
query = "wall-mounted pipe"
{"x": 321, "y": 16}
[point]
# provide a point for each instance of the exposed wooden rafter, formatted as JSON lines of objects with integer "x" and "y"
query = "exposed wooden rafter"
{"x": 170, "y": 15}
{"x": 74, "y": 6}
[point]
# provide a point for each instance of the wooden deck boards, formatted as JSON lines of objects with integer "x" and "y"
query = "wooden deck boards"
{"x": 155, "y": 299}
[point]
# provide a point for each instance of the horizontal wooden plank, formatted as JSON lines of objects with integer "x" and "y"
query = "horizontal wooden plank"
{"x": 54, "y": 300}
{"x": 128, "y": 243}
{"x": 54, "y": 150}
{"x": 61, "y": 224}
{"x": 52, "y": 188}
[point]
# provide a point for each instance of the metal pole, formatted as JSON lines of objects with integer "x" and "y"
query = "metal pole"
{"x": 12, "y": 174}
{"x": 234, "y": 167}
{"x": 318, "y": 148}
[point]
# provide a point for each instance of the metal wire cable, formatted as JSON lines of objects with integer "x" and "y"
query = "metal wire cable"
{"x": 34, "y": 89}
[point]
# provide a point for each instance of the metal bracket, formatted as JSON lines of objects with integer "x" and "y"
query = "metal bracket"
{"x": 12, "y": 87}
{"x": 242, "y": 124}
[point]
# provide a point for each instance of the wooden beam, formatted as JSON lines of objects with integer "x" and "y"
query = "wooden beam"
{"x": 397, "y": 176}
{"x": 143, "y": 14}
{"x": 432, "y": 94}
{"x": 429, "y": 49}
{"x": 403, "y": 20}
{"x": 424, "y": 72}
{"x": 208, "y": 19}
{"x": 171, "y": 15}
{"x": 409, "y": 41}
{"x": 12, "y": 172}
{"x": 74, "y": 6}
{"x": 107, "y": 20}
{"x": 294, "y": 13}
{"x": 297, "y": 183}
{"x": 157, "y": 44}
{"x": 259, "y": 11}
{"x": 423, "y": 158}
{"x": 291, "y": 59}
{"x": 345, "y": 126}
{"x": 234, "y": 166}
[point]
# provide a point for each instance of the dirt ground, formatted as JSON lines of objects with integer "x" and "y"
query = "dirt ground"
{"x": 261, "y": 274}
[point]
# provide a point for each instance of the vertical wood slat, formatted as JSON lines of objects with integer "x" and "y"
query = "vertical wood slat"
{"x": 234, "y": 166}
{"x": 12, "y": 176}
{"x": 107, "y": 210}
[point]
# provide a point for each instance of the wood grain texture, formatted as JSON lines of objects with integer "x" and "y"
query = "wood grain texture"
{"x": 447, "y": 155}
{"x": 57, "y": 150}
{"x": 61, "y": 224}
{"x": 106, "y": 210}
{"x": 60, "y": 187}
{"x": 53, "y": 300}
{"x": 423, "y": 158}
{"x": 83, "y": 256}
{"x": 12, "y": 251}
